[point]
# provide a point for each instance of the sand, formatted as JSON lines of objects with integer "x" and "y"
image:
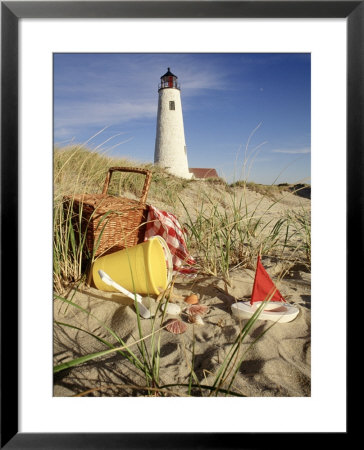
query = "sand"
{"x": 278, "y": 364}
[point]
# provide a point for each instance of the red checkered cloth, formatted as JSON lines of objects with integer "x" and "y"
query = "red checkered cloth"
{"x": 166, "y": 225}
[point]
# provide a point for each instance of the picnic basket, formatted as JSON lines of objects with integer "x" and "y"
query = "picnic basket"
{"x": 111, "y": 223}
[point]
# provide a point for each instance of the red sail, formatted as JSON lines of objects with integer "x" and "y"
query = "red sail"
{"x": 264, "y": 287}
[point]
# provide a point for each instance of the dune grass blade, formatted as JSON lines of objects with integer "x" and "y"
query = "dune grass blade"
{"x": 131, "y": 355}
{"x": 138, "y": 388}
{"x": 226, "y": 365}
{"x": 69, "y": 302}
{"x": 238, "y": 365}
{"x": 97, "y": 243}
{"x": 142, "y": 347}
{"x": 91, "y": 356}
{"x": 83, "y": 359}
{"x": 193, "y": 375}
{"x": 211, "y": 389}
{"x": 155, "y": 347}
{"x": 104, "y": 341}
{"x": 191, "y": 372}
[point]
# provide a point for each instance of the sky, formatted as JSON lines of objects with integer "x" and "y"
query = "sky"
{"x": 246, "y": 115}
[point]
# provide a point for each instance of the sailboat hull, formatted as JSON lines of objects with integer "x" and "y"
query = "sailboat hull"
{"x": 273, "y": 311}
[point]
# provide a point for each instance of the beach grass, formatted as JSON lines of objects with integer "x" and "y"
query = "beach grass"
{"x": 230, "y": 236}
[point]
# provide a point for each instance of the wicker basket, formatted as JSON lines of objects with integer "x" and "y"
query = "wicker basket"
{"x": 111, "y": 223}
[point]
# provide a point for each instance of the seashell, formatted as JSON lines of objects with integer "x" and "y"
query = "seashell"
{"x": 196, "y": 319}
{"x": 197, "y": 310}
{"x": 171, "y": 308}
{"x": 191, "y": 299}
{"x": 176, "y": 326}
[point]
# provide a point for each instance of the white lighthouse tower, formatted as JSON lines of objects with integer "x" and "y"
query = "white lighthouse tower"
{"x": 170, "y": 145}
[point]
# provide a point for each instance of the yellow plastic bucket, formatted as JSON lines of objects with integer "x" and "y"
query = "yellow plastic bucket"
{"x": 144, "y": 269}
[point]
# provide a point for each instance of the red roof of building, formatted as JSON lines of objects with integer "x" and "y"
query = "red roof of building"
{"x": 204, "y": 173}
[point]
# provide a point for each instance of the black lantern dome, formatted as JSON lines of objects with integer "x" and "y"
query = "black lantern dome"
{"x": 168, "y": 80}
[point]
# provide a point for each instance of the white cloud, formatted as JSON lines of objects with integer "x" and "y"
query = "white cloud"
{"x": 293, "y": 151}
{"x": 203, "y": 79}
{"x": 101, "y": 113}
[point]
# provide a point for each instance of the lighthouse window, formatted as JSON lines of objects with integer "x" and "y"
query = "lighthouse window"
{"x": 171, "y": 105}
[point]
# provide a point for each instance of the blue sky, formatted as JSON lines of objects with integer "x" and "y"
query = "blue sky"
{"x": 241, "y": 110}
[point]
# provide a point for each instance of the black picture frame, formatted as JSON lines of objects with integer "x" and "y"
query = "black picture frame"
{"x": 11, "y": 13}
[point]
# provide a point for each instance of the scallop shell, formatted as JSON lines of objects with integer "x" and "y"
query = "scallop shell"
{"x": 196, "y": 319}
{"x": 199, "y": 310}
{"x": 176, "y": 326}
{"x": 191, "y": 299}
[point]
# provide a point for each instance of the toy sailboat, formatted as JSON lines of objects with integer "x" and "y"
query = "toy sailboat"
{"x": 275, "y": 309}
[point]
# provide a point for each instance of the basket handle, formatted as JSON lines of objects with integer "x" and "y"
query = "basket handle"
{"x": 148, "y": 179}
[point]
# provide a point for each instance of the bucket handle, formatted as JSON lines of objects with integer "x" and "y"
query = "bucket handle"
{"x": 148, "y": 179}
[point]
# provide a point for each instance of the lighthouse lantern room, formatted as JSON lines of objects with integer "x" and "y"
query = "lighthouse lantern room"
{"x": 170, "y": 146}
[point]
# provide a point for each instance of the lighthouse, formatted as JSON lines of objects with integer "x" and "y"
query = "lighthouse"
{"x": 170, "y": 145}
